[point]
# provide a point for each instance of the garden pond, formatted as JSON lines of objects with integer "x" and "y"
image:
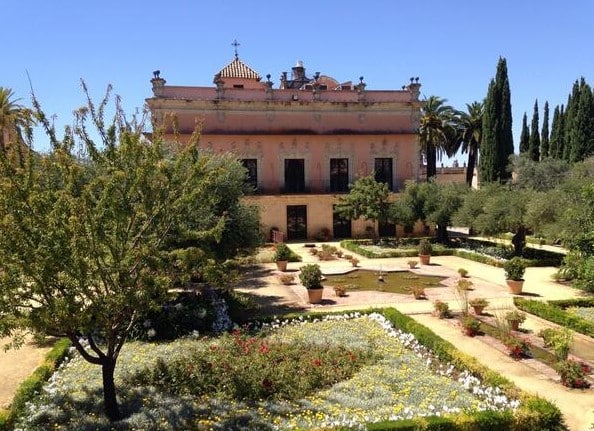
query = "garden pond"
{"x": 392, "y": 282}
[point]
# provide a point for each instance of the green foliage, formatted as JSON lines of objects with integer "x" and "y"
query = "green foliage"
{"x": 366, "y": 199}
{"x": 573, "y": 374}
{"x": 514, "y": 268}
{"x": 524, "y": 136}
{"x": 559, "y": 340}
{"x": 541, "y": 175}
{"x": 425, "y": 247}
{"x": 545, "y": 138}
{"x": 282, "y": 252}
{"x": 534, "y": 142}
{"x": 554, "y": 312}
{"x": 497, "y": 143}
{"x": 470, "y": 132}
{"x": 96, "y": 230}
{"x": 437, "y": 132}
{"x": 311, "y": 276}
{"x": 244, "y": 367}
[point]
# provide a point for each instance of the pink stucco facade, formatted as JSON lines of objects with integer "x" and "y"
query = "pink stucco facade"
{"x": 302, "y": 142}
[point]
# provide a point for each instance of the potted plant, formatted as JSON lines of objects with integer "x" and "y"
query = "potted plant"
{"x": 478, "y": 305}
{"x": 573, "y": 373}
{"x": 464, "y": 284}
{"x": 340, "y": 290}
{"x": 311, "y": 278}
{"x": 441, "y": 309}
{"x": 517, "y": 348}
{"x": 281, "y": 256}
{"x": 425, "y": 250}
{"x": 418, "y": 292}
{"x": 470, "y": 325}
{"x": 412, "y": 264}
{"x": 354, "y": 262}
{"x": 287, "y": 279}
{"x": 515, "y": 318}
{"x": 514, "y": 274}
{"x": 463, "y": 272}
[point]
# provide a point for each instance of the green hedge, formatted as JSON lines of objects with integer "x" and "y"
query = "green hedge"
{"x": 534, "y": 413}
{"x": 33, "y": 384}
{"x": 554, "y": 311}
{"x": 439, "y": 250}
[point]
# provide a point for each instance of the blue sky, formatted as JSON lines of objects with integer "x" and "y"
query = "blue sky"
{"x": 453, "y": 46}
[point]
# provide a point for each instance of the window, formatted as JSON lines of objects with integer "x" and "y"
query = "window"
{"x": 339, "y": 175}
{"x": 294, "y": 175}
{"x": 383, "y": 171}
{"x": 251, "y": 165}
{"x": 237, "y": 85}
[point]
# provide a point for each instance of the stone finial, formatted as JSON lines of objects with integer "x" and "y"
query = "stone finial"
{"x": 158, "y": 82}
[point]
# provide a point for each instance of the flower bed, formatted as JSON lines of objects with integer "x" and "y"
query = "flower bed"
{"x": 398, "y": 378}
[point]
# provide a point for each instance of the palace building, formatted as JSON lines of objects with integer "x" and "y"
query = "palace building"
{"x": 303, "y": 141}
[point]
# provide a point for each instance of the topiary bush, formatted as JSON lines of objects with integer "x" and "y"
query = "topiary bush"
{"x": 311, "y": 276}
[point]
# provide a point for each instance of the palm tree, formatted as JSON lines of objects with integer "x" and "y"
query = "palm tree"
{"x": 470, "y": 130}
{"x": 437, "y": 132}
{"x": 16, "y": 121}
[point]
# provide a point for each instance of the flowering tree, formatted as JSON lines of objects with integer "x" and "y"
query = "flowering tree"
{"x": 89, "y": 238}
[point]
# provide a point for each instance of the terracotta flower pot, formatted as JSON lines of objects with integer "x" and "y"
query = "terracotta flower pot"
{"x": 515, "y": 286}
{"x": 281, "y": 265}
{"x": 424, "y": 258}
{"x": 478, "y": 309}
{"x": 315, "y": 295}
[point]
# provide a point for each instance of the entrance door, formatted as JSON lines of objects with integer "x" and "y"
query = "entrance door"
{"x": 296, "y": 222}
{"x": 341, "y": 226}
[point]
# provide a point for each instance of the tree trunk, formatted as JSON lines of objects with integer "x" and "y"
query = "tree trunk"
{"x": 442, "y": 234}
{"x": 470, "y": 167}
{"x": 519, "y": 241}
{"x": 112, "y": 410}
{"x": 431, "y": 162}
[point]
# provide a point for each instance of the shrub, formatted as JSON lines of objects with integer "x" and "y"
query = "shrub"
{"x": 517, "y": 347}
{"x": 243, "y": 367}
{"x": 464, "y": 284}
{"x": 573, "y": 373}
{"x": 425, "y": 247}
{"x": 514, "y": 269}
{"x": 478, "y": 302}
{"x": 515, "y": 316}
{"x": 463, "y": 272}
{"x": 283, "y": 252}
{"x": 442, "y": 309}
{"x": 287, "y": 279}
{"x": 470, "y": 325}
{"x": 311, "y": 276}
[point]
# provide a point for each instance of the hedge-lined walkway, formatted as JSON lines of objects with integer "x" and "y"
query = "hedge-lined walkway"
{"x": 489, "y": 282}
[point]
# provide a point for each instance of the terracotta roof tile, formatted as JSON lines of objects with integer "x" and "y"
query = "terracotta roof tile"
{"x": 238, "y": 69}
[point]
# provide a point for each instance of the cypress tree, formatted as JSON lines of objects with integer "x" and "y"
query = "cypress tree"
{"x": 544, "y": 138}
{"x": 570, "y": 115}
{"x": 582, "y": 136}
{"x": 525, "y": 136}
{"x": 554, "y": 142}
{"x": 497, "y": 142}
{"x": 534, "y": 143}
{"x": 561, "y": 142}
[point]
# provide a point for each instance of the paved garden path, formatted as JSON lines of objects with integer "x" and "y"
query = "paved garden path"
{"x": 489, "y": 282}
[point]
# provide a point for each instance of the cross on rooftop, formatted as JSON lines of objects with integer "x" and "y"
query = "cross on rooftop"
{"x": 235, "y": 44}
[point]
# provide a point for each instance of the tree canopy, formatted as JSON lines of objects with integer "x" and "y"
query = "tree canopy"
{"x": 92, "y": 234}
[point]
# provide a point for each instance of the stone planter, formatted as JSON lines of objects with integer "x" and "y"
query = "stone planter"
{"x": 315, "y": 295}
{"x": 515, "y": 286}
{"x": 424, "y": 259}
{"x": 281, "y": 265}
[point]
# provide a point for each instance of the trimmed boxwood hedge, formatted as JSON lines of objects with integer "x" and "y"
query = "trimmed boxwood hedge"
{"x": 533, "y": 257}
{"x": 33, "y": 384}
{"x": 534, "y": 413}
{"x": 554, "y": 311}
